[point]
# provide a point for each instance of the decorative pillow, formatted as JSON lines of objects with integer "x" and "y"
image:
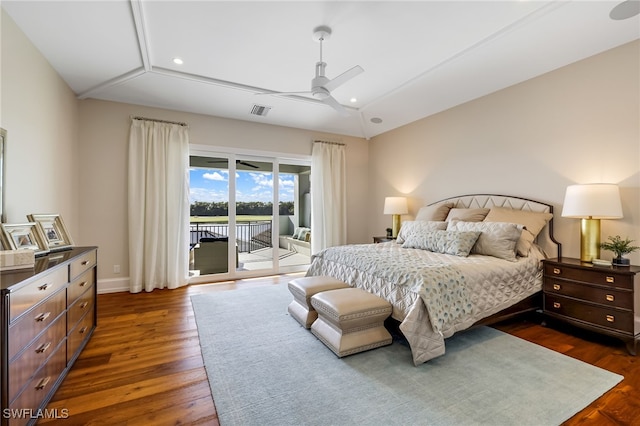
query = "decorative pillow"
{"x": 296, "y": 233}
{"x": 304, "y": 234}
{"x": 437, "y": 212}
{"x": 418, "y": 227}
{"x": 467, "y": 215}
{"x": 458, "y": 243}
{"x": 533, "y": 223}
{"x": 497, "y": 239}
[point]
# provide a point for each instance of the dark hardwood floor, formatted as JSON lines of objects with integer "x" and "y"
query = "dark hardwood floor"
{"x": 143, "y": 365}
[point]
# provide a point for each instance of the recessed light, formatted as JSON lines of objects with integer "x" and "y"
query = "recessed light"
{"x": 353, "y": 100}
{"x": 376, "y": 120}
{"x": 625, "y": 10}
{"x": 178, "y": 61}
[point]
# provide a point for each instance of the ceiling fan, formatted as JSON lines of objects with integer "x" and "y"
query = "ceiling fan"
{"x": 321, "y": 86}
{"x": 244, "y": 163}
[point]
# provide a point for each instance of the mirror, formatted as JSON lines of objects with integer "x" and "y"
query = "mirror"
{"x": 3, "y": 141}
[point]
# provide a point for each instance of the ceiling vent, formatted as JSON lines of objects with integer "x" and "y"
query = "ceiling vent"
{"x": 260, "y": 110}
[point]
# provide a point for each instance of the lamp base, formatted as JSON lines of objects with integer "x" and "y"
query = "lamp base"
{"x": 589, "y": 239}
{"x": 396, "y": 226}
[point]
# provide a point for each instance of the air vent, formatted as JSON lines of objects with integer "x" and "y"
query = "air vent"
{"x": 260, "y": 110}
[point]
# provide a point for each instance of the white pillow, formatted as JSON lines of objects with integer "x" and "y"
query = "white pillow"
{"x": 418, "y": 226}
{"x": 497, "y": 239}
{"x": 533, "y": 223}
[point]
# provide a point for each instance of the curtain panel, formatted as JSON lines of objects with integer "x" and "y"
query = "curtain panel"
{"x": 328, "y": 196}
{"x": 158, "y": 205}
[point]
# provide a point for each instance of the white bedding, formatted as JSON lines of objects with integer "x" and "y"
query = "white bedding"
{"x": 487, "y": 286}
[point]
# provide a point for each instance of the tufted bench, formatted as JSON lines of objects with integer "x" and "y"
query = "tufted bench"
{"x": 302, "y": 289}
{"x": 350, "y": 320}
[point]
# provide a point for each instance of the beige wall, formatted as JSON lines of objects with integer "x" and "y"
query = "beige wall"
{"x": 104, "y": 132}
{"x": 578, "y": 124}
{"x": 40, "y": 113}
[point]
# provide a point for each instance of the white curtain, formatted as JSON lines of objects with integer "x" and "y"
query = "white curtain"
{"x": 158, "y": 205}
{"x": 328, "y": 196}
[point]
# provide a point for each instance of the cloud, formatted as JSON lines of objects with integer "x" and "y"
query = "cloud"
{"x": 216, "y": 176}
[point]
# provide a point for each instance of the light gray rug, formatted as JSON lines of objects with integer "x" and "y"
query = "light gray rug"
{"x": 265, "y": 369}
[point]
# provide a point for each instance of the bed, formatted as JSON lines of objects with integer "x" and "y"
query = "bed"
{"x": 464, "y": 261}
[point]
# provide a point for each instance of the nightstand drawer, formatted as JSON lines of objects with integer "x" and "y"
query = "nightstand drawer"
{"x": 592, "y": 276}
{"x": 601, "y": 316}
{"x": 604, "y": 296}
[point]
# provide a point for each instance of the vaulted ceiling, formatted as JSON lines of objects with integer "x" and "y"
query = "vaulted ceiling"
{"x": 419, "y": 57}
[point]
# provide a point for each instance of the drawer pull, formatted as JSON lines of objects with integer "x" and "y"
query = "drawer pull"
{"x": 82, "y": 330}
{"x": 43, "y": 383}
{"x": 85, "y": 262}
{"x": 83, "y": 305}
{"x": 610, "y": 279}
{"x": 43, "y": 348}
{"x": 42, "y": 317}
{"x": 610, "y": 298}
{"x": 43, "y": 287}
{"x": 556, "y": 287}
{"x": 557, "y": 271}
{"x": 556, "y": 305}
{"x": 82, "y": 284}
{"x": 611, "y": 318}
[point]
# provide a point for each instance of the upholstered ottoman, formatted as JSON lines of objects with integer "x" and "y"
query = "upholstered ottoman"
{"x": 302, "y": 289}
{"x": 350, "y": 320}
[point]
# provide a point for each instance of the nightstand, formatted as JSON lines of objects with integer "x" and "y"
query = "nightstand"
{"x": 382, "y": 239}
{"x": 604, "y": 299}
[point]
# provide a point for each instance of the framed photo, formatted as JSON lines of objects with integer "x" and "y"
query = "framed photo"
{"x": 25, "y": 236}
{"x": 52, "y": 227}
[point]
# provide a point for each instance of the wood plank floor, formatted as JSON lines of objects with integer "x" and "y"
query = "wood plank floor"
{"x": 143, "y": 365}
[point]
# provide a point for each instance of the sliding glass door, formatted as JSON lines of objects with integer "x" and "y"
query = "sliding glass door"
{"x": 235, "y": 229}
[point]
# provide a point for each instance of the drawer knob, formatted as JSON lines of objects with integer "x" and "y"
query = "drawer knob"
{"x": 82, "y": 284}
{"x": 83, "y": 330}
{"x": 43, "y": 383}
{"x": 43, "y": 348}
{"x": 42, "y": 316}
{"x": 611, "y": 318}
{"x": 83, "y": 305}
{"x": 610, "y": 279}
{"x": 557, "y": 271}
{"x": 610, "y": 298}
{"x": 556, "y": 287}
{"x": 556, "y": 305}
{"x": 43, "y": 287}
{"x": 85, "y": 262}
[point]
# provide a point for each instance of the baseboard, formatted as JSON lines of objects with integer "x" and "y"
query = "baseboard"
{"x": 113, "y": 285}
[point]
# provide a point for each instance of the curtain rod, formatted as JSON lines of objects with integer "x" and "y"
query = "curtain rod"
{"x": 330, "y": 143}
{"x": 160, "y": 121}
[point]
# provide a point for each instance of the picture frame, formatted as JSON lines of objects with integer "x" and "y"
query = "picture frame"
{"x": 53, "y": 230}
{"x": 24, "y": 236}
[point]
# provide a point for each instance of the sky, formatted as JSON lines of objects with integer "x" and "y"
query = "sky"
{"x": 213, "y": 185}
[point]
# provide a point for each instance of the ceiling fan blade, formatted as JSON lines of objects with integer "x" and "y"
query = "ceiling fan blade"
{"x": 331, "y": 101}
{"x": 244, "y": 163}
{"x": 343, "y": 78}
{"x": 283, "y": 93}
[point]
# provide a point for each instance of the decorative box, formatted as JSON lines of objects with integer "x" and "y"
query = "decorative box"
{"x": 16, "y": 259}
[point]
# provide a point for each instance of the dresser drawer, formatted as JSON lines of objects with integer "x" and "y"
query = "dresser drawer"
{"x": 614, "y": 319}
{"x": 80, "y": 333}
{"x": 33, "y": 293}
{"x": 40, "y": 385}
{"x": 594, "y": 276}
{"x": 610, "y": 297}
{"x": 80, "y": 285}
{"x": 23, "y": 367}
{"x": 23, "y": 331}
{"x": 80, "y": 307}
{"x": 81, "y": 264}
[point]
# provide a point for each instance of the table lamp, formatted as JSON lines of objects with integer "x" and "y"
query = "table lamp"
{"x": 395, "y": 206}
{"x": 590, "y": 203}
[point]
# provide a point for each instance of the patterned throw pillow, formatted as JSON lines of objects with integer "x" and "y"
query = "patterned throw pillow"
{"x": 418, "y": 227}
{"x": 458, "y": 243}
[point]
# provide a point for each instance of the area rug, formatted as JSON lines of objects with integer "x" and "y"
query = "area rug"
{"x": 265, "y": 369}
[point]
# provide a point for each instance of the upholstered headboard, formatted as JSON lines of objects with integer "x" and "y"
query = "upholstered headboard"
{"x": 545, "y": 238}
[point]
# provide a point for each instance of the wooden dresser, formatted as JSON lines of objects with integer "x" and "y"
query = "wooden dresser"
{"x": 48, "y": 314}
{"x": 605, "y": 299}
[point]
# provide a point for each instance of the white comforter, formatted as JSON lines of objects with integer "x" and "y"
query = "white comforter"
{"x": 483, "y": 285}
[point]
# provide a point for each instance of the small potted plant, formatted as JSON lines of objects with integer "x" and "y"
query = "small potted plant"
{"x": 620, "y": 247}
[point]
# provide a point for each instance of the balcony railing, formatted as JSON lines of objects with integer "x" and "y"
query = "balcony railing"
{"x": 250, "y": 235}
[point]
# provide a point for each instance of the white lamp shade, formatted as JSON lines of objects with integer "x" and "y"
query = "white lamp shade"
{"x": 596, "y": 201}
{"x": 395, "y": 205}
